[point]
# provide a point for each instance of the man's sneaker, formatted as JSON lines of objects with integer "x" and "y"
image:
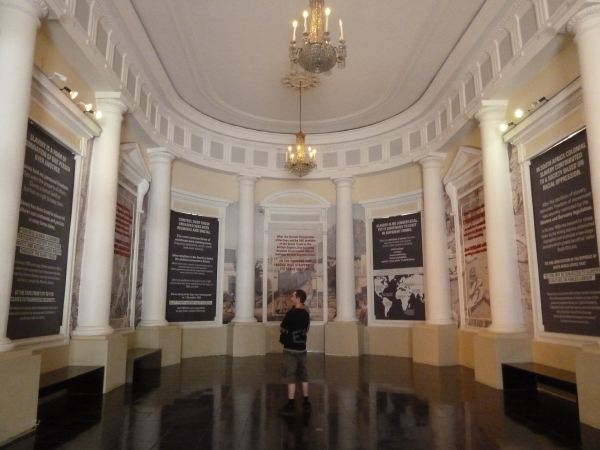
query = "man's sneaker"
{"x": 287, "y": 410}
{"x": 307, "y": 407}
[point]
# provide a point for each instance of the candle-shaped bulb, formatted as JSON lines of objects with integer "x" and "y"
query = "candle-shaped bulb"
{"x": 327, "y": 12}
{"x": 305, "y": 15}
{"x": 295, "y": 25}
{"x": 341, "y": 30}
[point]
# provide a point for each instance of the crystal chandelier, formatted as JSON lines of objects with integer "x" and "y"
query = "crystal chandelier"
{"x": 317, "y": 55}
{"x": 300, "y": 160}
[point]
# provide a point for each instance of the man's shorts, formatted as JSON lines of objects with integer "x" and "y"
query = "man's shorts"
{"x": 294, "y": 367}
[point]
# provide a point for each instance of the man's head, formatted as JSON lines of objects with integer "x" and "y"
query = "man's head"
{"x": 300, "y": 295}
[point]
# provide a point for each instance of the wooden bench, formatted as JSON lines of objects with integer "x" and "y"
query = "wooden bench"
{"x": 73, "y": 379}
{"x": 541, "y": 395}
{"x": 139, "y": 359}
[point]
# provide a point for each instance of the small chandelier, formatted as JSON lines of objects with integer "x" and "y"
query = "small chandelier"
{"x": 300, "y": 160}
{"x": 317, "y": 55}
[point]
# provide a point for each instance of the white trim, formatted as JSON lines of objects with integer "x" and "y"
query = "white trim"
{"x": 319, "y": 209}
{"x": 491, "y": 20}
{"x": 58, "y": 105}
{"x": 414, "y": 198}
{"x": 221, "y": 206}
{"x": 567, "y": 101}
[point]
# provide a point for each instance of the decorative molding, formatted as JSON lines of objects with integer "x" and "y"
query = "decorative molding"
{"x": 199, "y": 199}
{"x": 270, "y": 200}
{"x": 567, "y": 101}
{"x": 452, "y": 78}
{"x": 61, "y": 107}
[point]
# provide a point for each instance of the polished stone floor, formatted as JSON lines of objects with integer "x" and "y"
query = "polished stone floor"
{"x": 357, "y": 403}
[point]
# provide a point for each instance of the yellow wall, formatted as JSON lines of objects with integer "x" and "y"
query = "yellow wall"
{"x": 557, "y": 74}
{"x": 204, "y": 181}
{"x": 397, "y": 181}
{"x": 324, "y": 188}
{"x": 48, "y": 60}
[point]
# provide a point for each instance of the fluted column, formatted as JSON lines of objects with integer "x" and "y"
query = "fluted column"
{"x": 344, "y": 240}
{"x": 19, "y": 22}
{"x": 505, "y": 290}
{"x": 586, "y": 27}
{"x": 98, "y": 248}
{"x": 437, "y": 278}
{"x": 244, "y": 279}
{"x": 156, "y": 253}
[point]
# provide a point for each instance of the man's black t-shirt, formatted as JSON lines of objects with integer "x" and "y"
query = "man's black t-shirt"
{"x": 294, "y": 327}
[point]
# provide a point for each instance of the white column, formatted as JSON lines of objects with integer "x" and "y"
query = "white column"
{"x": 505, "y": 290}
{"x": 344, "y": 244}
{"x": 586, "y": 27}
{"x": 437, "y": 276}
{"x": 98, "y": 248}
{"x": 244, "y": 278}
{"x": 156, "y": 249}
{"x": 19, "y": 21}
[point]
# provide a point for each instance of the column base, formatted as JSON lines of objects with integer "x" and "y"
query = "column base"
{"x": 588, "y": 388}
{"x": 491, "y": 349}
{"x": 167, "y": 338}
{"x": 388, "y": 341}
{"x": 205, "y": 341}
{"x": 344, "y": 338}
{"x": 435, "y": 345}
{"x": 465, "y": 348}
{"x": 6, "y": 345}
{"x": 104, "y": 330}
{"x": 108, "y": 351}
{"x": 20, "y": 375}
{"x": 246, "y": 339}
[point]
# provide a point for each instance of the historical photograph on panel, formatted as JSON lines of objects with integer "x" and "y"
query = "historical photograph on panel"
{"x": 477, "y": 309}
{"x": 565, "y": 238}
{"x": 120, "y": 301}
{"x": 295, "y": 263}
{"x": 398, "y": 268}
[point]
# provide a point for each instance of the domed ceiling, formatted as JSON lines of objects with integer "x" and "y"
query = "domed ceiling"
{"x": 227, "y": 58}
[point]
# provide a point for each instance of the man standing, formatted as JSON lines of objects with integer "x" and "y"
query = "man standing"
{"x": 294, "y": 329}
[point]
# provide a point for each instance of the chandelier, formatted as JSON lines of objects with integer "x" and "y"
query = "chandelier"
{"x": 300, "y": 160}
{"x": 317, "y": 55}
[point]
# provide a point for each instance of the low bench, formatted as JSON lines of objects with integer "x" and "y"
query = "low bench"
{"x": 541, "y": 395}
{"x": 74, "y": 379}
{"x": 142, "y": 359}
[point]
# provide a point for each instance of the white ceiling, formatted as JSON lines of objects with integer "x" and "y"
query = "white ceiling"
{"x": 227, "y": 58}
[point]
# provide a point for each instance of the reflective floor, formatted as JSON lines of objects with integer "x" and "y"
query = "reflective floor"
{"x": 357, "y": 403}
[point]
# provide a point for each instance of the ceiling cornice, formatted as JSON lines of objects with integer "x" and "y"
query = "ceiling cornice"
{"x": 445, "y": 109}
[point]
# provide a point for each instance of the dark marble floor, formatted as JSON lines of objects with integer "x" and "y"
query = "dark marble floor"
{"x": 358, "y": 403}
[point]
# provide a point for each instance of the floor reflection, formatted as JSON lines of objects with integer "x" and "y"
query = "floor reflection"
{"x": 357, "y": 403}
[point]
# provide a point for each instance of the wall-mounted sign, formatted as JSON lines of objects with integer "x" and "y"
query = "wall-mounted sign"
{"x": 38, "y": 288}
{"x": 565, "y": 236}
{"x": 192, "y": 279}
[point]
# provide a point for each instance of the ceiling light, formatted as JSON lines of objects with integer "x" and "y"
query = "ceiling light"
{"x": 87, "y": 107}
{"x": 298, "y": 159}
{"x": 98, "y": 115}
{"x": 519, "y": 113}
{"x": 72, "y": 94}
{"x": 503, "y": 127}
{"x": 317, "y": 55}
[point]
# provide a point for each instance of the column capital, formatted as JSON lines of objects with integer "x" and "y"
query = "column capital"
{"x": 160, "y": 155}
{"x": 492, "y": 111}
{"x": 110, "y": 103}
{"x": 584, "y": 20}
{"x": 343, "y": 181}
{"x": 37, "y": 9}
{"x": 247, "y": 180}
{"x": 433, "y": 160}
